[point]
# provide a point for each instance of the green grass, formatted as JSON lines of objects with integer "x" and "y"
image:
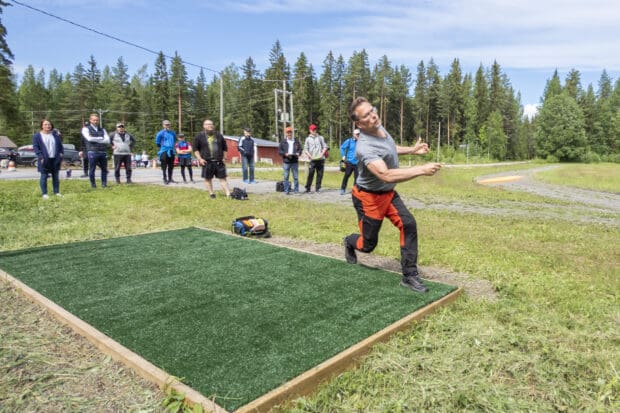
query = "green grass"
{"x": 598, "y": 177}
{"x": 235, "y": 317}
{"x": 550, "y": 343}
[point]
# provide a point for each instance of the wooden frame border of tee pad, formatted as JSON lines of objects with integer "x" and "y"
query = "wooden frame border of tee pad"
{"x": 299, "y": 386}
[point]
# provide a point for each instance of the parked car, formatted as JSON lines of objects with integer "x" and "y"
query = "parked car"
{"x": 25, "y": 155}
{"x": 71, "y": 156}
{"x": 7, "y": 153}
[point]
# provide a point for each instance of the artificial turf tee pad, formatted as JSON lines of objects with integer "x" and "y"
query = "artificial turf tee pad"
{"x": 234, "y": 317}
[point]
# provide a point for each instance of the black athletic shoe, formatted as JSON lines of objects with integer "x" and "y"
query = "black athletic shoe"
{"x": 414, "y": 283}
{"x": 212, "y": 196}
{"x": 349, "y": 252}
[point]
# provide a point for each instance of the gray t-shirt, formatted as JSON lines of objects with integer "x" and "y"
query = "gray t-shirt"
{"x": 370, "y": 148}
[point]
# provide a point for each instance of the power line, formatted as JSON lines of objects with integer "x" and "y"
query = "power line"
{"x": 110, "y": 36}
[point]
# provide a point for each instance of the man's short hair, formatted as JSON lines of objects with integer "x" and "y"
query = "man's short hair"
{"x": 356, "y": 102}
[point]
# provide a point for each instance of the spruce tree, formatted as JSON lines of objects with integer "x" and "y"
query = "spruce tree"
{"x": 10, "y": 121}
{"x": 560, "y": 130}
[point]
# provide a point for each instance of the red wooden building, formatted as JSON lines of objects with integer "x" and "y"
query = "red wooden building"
{"x": 266, "y": 151}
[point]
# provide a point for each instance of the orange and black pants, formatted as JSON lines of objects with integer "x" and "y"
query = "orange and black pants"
{"x": 372, "y": 208}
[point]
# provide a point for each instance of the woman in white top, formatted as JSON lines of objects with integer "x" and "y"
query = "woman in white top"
{"x": 47, "y": 146}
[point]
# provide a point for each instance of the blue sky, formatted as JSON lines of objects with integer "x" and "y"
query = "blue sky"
{"x": 529, "y": 39}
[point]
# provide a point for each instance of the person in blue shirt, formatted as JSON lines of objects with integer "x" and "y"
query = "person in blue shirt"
{"x": 184, "y": 153}
{"x": 347, "y": 150}
{"x": 165, "y": 140}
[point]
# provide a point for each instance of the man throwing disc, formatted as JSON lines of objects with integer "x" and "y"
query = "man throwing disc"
{"x": 374, "y": 197}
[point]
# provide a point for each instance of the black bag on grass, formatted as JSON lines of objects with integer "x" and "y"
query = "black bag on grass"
{"x": 239, "y": 194}
{"x": 251, "y": 226}
{"x": 280, "y": 186}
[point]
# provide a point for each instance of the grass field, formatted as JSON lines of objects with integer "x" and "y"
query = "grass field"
{"x": 598, "y": 177}
{"x": 549, "y": 343}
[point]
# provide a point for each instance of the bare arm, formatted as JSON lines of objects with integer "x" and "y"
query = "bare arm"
{"x": 420, "y": 148}
{"x": 381, "y": 171}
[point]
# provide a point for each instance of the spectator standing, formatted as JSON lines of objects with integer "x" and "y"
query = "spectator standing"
{"x": 98, "y": 141}
{"x": 137, "y": 159}
{"x": 246, "y": 149}
{"x": 374, "y": 197}
{"x": 210, "y": 149}
{"x": 145, "y": 159}
{"x": 184, "y": 153}
{"x": 347, "y": 150}
{"x": 165, "y": 140}
{"x": 290, "y": 150}
{"x": 47, "y": 145}
{"x": 315, "y": 149}
{"x": 122, "y": 146}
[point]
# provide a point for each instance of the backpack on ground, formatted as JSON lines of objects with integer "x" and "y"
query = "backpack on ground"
{"x": 280, "y": 186}
{"x": 250, "y": 226}
{"x": 239, "y": 194}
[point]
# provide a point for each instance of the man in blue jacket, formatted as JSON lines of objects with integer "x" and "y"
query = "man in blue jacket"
{"x": 347, "y": 150}
{"x": 165, "y": 140}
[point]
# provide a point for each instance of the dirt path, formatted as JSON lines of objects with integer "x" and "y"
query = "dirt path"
{"x": 581, "y": 205}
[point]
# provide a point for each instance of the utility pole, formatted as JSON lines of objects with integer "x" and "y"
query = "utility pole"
{"x": 284, "y": 101}
{"x": 179, "y": 104}
{"x": 275, "y": 103}
{"x": 100, "y": 112}
{"x": 438, "y": 140}
{"x": 292, "y": 115}
{"x": 222, "y": 103}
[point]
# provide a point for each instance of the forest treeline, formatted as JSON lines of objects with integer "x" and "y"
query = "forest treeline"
{"x": 477, "y": 114}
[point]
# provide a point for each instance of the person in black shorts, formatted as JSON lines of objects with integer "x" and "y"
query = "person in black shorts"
{"x": 210, "y": 150}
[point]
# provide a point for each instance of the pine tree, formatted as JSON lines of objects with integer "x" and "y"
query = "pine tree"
{"x": 277, "y": 77}
{"x": 161, "y": 89}
{"x": 382, "y": 75}
{"x": 587, "y": 103}
{"x": 496, "y": 138}
{"x": 120, "y": 96}
{"x": 329, "y": 98}
{"x": 553, "y": 87}
{"x": 200, "y": 104}
{"x": 420, "y": 102}
{"x": 10, "y": 121}
{"x": 230, "y": 77}
{"x": 481, "y": 97}
{"x": 603, "y": 140}
{"x": 302, "y": 93}
{"x": 433, "y": 102}
{"x": 342, "y": 117}
{"x": 178, "y": 92}
{"x": 399, "y": 95}
{"x": 33, "y": 97}
{"x": 251, "y": 109}
{"x": 357, "y": 79}
{"x": 469, "y": 114}
{"x": 92, "y": 77}
{"x": 452, "y": 105}
{"x": 572, "y": 85}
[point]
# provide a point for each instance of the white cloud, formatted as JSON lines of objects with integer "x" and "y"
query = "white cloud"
{"x": 530, "y": 110}
{"x": 543, "y": 34}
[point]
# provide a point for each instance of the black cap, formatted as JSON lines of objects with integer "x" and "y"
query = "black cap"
{"x": 246, "y": 129}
